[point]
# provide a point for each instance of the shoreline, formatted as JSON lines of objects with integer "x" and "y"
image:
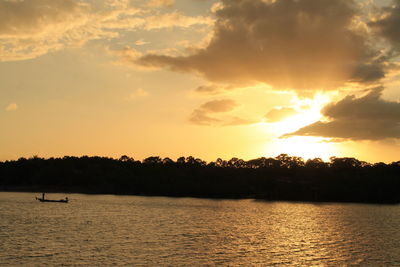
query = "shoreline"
{"x": 213, "y": 197}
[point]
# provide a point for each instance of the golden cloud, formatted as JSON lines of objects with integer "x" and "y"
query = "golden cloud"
{"x": 31, "y": 28}
{"x": 205, "y": 114}
{"x": 292, "y": 44}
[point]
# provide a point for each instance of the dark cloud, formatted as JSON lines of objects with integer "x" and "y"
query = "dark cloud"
{"x": 299, "y": 44}
{"x": 205, "y": 114}
{"x": 369, "y": 72}
{"x": 366, "y": 118}
{"x": 278, "y": 114}
{"x": 388, "y": 24}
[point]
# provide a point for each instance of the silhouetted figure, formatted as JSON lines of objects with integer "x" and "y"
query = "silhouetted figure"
{"x": 43, "y": 196}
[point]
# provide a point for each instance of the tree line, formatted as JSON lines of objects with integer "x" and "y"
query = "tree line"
{"x": 284, "y": 177}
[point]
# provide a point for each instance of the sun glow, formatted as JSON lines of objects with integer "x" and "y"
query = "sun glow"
{"x": 308, "y": 111}
{"x": 303, "y": 146}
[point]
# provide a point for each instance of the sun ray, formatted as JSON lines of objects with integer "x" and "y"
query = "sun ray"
{"x": 304, "y": 146}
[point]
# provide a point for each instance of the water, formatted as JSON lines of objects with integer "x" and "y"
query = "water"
{"x": 104, "y": 230}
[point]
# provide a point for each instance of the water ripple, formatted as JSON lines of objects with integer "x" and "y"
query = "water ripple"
{"x": 106, "y": 230}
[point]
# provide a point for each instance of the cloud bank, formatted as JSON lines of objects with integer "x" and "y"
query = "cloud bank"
{"x": 365, "y": 118}
{"x": 295, "y": 44}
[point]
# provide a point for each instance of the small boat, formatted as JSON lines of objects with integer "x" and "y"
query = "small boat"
{"x": 51, "y": 200}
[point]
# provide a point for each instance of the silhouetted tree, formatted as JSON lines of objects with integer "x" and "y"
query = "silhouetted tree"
{"x": 125, "y": 158}
{"x": 167, "y": 161}
{"x": 281, "y": 178}
{"x": 152, "y": 160}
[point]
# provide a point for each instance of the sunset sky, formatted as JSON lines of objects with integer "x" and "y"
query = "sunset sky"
{"x": 207, "y": 78}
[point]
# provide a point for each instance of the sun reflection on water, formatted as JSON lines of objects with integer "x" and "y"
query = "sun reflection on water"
{"x": 158, "y": 231}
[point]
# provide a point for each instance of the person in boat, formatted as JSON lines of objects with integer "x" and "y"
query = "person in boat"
{"x": 66, "y": 199}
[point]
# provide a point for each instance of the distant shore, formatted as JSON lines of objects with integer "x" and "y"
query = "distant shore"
{"x": 47, "y": 190}
{"x": 283, "y": 178}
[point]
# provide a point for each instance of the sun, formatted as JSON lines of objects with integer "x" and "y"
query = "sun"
{"x": 303, "y": 146}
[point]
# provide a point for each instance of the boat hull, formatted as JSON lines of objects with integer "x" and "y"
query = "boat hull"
{"x": 51, "y": 200}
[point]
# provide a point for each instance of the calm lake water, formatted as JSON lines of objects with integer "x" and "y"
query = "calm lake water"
{"x": 104, "y": 230}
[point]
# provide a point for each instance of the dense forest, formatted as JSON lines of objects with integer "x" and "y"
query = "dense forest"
{"x": 281, "y": 178}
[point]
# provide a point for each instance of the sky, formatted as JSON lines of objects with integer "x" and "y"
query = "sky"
{"x": 204, "y": 78}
